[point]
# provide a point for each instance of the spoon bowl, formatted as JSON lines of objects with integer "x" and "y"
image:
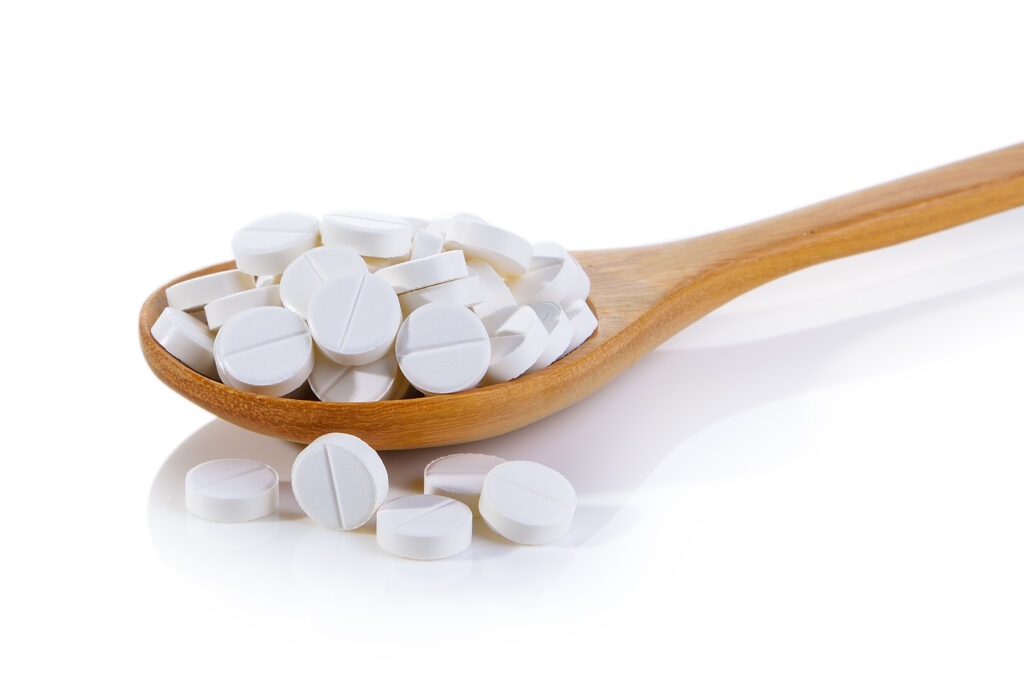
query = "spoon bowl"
{"x": 641, "y": 296}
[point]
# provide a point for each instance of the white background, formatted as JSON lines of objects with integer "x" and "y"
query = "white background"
{"x": 823, "y": 477}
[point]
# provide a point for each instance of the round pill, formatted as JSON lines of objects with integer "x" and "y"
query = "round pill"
{"x": 339, "y": 481}
{"x": 584, "y": 323}
{"x": 419, "y": 273}
{"x": 527, "y": 502}
{"x": 559, "y": 328}
{"x": 379, "y": 380}
{"x": 195, "y": 293}
{"x": 264, "y": 350}
{"x": 223, "y": 309}
{"x": 231, "y": 490}
{"x": 424, "y": 527}
{"x": 187, "y": 339}
{"x": 465, "y": 291}
{"x": 517, "y": 340}
{"x": 426, "y": 243}
{"x": 443, "y": 348}
{"x": 496, "y": 292}
{"x": 459, "y": 476}
{"x": 441, "y": 224}
{"x": 308, "y": 272}
{"x": 553, "y": 276}
{"x": 507, "y": 252}
{"x": 368, "y": 233}
{"x": 354, "y": 318}
{"x": 267, "y": 246}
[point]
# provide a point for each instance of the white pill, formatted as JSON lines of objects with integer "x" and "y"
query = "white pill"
{"x": 443, "y": 348}
{"x": 267, "y": 246}
{"x": 231, "y": 490}
{"x": 553, "y": 276}
{"x": 223, "y": 309}
{"x": 267, "y": 280}
{"x": 308, "y": 272}
{"x": 424, "y": 527}
{"x": 580, "y": 289}
{"x": 517, "y": 340}
{"x": 425, "y": 272}
{"x": 354, "y": 318}
{"x": 195, "y": 293}
{"x": 264, "y": 350}
{"x": 339, "y": 481}
{"x": 496, "y": 292}
{"x": 426, "y": 243}
{"x": 374, "y": 264}
{"x": 379, "y": 380}
{"x": 507, "y": 252}
{"x": 465, "y": 291}
{"x": 187, "y": 339}
{"x": 527, "y": 502}
{"x": 560, "y": 331}
{"x": 459, "y": 476}
{"x": 368, "y": 233}
{"x": 417, "y": 222}
{"x": 584, "y": 323}
{"x": 441, "y": 224}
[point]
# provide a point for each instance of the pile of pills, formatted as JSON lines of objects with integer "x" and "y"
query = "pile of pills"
{"x": 340, "y": 482}
{"x": 361, "y": 305}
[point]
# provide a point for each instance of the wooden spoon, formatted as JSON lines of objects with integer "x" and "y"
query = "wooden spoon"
{"x": 641, "y": 296}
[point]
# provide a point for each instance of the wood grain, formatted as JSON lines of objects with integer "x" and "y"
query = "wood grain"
{"x": 641, "y": 296}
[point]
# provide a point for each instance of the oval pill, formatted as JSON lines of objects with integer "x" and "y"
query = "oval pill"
{"x": 424, "y": 527}
{"x": 187, "y": 339}
{"x": 425, "y": 272}
{"x": 443, "y": 348}
{"x": 354, "y": 318}
{"x": 223, "y": 309}
{"x": 265, "y": 350}
{"x": 231, "y": 490}
{"x": 267, "y": 246}
{"x": 527, "y": 502}
{"x": 339, "y": 481}
{"x": 195, "y": 293}
{"x": 507, "y": 252}
{"x": 368, "y": 233}
{"x": 459, "y": 476}
{"x": 311, "y": 270}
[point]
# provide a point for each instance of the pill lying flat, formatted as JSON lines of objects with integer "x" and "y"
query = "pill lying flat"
{"x": 465, "y": 291}
{"x": 264, "y": 350}
{"x": 187, "y": 339}
{"x": 223, "y": 309}
{"x": 195, "y": 293}
{"x": 517, "y": 340}
{"x": 368, "y": 233}
{"x": 231, "y": 490}
{"x": 426, "y": 243}
{"x": 267, "y": 246}
{"x": 339, "y": 481}
{"x": 379, "y": 380}
{"x": 311, "y": 270}
{"x": 443, "y": 348}
{"x": 553, "y": 276}
{"x": 424, "y": 527}
{"x": 459, "y": 476}
{"x": 559, "y": 328}
{"x": 507, "y": 252}
{"x": 527, "y": 502}
{"x": 496, "y": 292}
{"x": 584, "y": 323}
{"x": 425, "y": 272}
{"x": 354, "y": 318}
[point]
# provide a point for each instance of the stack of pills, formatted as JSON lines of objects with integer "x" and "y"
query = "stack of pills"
{"x": 341, "y": 483}
{"x": 361, "y": 305}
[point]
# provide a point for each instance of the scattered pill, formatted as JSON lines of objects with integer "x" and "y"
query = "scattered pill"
{"x": 443, "y": 348}
{"x": 311, "y": 270}
{"x": 186, "y": 338}
{"x": 267, "y": 246}
{"x": 368, "y": 233}
{"x": 465, "y": 291}
{"x": 517, "y": 340}
{"x": 459, "y": 476}
{"x": 424, "y": 527}
{"x": 527, "y": 502}
{"x": 195, "y": 293}
{"x": 584, "y": 323}
{"x": 354, "y": 318}
{"x": 507, "y": 252}
{"x": 223, "y": 309}
{"x": 265, "y": 350}
{"x": 231, "y": 490}
{"x": 426, "y": 243}
{"x": 379, "y": 380}
{"x": 559, "y": 328}
{"x": 425, "y": 272}
{"x": 496, "y": 292}
{"x": 339, "y": 481}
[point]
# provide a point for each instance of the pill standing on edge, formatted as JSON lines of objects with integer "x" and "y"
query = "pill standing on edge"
{"x": 424, "y": 527}
{"x": 507, "y": 252}
{"x": 459, "y": 476}
{"x": 339, "y": 481}
{"x": 311, "y": 270}
{"x": 265, "y": 350}
{"x": 426, "y": 243}
{"x": 231, "y": 490}
{"x": 267, "y": 246}
{"x": 496, "y": 293}
{"x": 527, "y": 502}
{"x": 559, "y": 328}
{"x": 223, "y": 309}
{"x": 518, "y": 338}
{"x": 368, "y": 233}
{"x": 187, "y": 339}
{"x": 354, "y": 318}
{"x": 195, "y": 293}
{"x": 443, "y": 348}
{"x": 553, "y": 276}
{"x": 584, "y": 323}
